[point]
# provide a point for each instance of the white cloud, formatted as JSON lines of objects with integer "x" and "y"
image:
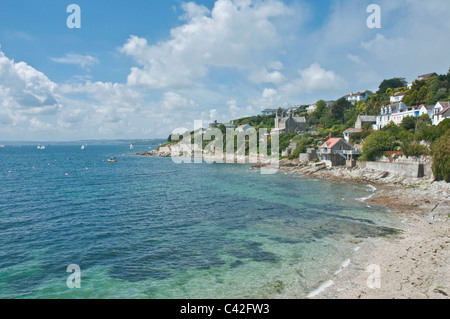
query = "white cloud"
{"x": 25, "y": 91}
{"x": 314, "y": 79}
{"x": 83, "y": 61}
{"x": 264, "y": 76}
{"x": 235, "y": 34}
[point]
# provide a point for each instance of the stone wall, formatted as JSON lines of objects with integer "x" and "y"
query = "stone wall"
{"x": 406, "y": 169}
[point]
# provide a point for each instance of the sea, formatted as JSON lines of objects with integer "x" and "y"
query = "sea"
{"x": 146, "y": 227}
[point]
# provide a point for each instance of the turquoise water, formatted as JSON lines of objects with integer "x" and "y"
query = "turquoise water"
{"x": 148, "y": 228}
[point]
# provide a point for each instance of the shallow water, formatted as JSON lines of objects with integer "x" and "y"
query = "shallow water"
{"x": 149, "y": 228}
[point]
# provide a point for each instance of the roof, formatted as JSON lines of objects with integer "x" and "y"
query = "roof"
{"x": 353, "y": 130}
{"x": 331, "y": 142}
{"x": 444, "y": 104}
{"x": 367, "y": 118}
{"x": 353, "y": 94}
{"x": 445, "y": 111}
{"x": 428, "y": 107}
{"x": 400, "y": 94}
{"x": 300, "y": 119}
{"x": 428, "y": 75}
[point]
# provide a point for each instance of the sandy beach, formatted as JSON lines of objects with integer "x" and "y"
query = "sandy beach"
{"x": 412, "y": 265}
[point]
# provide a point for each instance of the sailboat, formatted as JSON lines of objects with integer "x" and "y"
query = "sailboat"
{"x": 41, "y": 147}
{"x": 131, "y": 146}
{"x": 83, "y": 147}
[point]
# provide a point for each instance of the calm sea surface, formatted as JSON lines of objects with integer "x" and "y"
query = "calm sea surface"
{"x": 149, "y": 228}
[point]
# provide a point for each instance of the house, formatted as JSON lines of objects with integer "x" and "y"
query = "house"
{"x": 355, "y": 97}
{"x": 268, "y": 111}
{"x": 214, "y": 124}
{"x": 244, "y": 128}
{"x": 385, "y": 115}
{"x": 336, "y": 152}
{"x": 441, "y": 111}
{"x": 290, "y": 123}
{"x": 425, "y": 109}
{"x": 440, "y": 106}
{"x": 398, "y": 117}
{"x": 426, "y": 76}
{"x": 311, "y": 108}
{"x": 397, "y": 97}
{"x": 350, "y": 131}
{"x": 229, "y": 125}
{"x": 365, "y": 119}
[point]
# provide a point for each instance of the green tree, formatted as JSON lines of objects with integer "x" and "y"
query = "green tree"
{"x": 376, "y": 144}
{"x": 338, "y": 109}
{"x": 392, "y": 84}
{"x": 320, "y": 110}
{"x": 409, "y": 123}
{"x": 441, "y": 158}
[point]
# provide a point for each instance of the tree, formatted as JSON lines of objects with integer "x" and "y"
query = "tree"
{"x": 441, "y": 160}
{"x": 377, "y": 143}
{"x": 408, "y": 123}
{"x": 338, "y": 110}
{"x": 392, "y": 84}
{"x": 320, "y": 110}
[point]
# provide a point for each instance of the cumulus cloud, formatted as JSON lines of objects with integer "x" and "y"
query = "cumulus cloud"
{"x": 24, "y": 90}
{"x": 83, "y": 61}
{"x": 235, "y": 34}
{"x": 314, "y": 79}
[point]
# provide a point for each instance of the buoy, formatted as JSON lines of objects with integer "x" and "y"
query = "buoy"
{"x": 87, "y": 168}
{"x": 9, "y": 172}
{"x": 67, "y": 174}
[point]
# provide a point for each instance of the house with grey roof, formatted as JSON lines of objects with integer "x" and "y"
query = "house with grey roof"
{"x": 426, "y": 76}
{"x": 365, "y": 119}
{"x": 386, "y": 113}
{"x": 441, "y": 111}
{"x": 290, "y": 123}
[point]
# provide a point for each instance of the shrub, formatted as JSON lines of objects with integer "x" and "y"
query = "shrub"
{"x": 376, "y": 144}
{"x": 415, "y": 150}
{"x": 441, "y": 158}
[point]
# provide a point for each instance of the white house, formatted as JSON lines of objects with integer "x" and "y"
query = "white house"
{"x": 426, "y": 109}
{"x": 397, "y": 97}
{"x": 355, "y": 97}
{"x": 350, "y": 131}
{"x": 398, "y": 117}
{"x": 386, "y": 113}
{"x": 441, "y": 111}
{"x": 268, "y": 111}
{"x": 311, "y": 108}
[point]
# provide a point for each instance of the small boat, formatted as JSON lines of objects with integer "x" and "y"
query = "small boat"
{"x": 83, "y": 147}
{"x": 41, "y": 147}
{"x": 112, "y": 160}
{"x": 131, "y": 146}
{"x": 2, "y": 146}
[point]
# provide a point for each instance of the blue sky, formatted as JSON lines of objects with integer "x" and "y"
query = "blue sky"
{"x": 139, "y": 69}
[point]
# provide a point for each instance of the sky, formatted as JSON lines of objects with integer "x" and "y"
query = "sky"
{"x": 141, "y": 69}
